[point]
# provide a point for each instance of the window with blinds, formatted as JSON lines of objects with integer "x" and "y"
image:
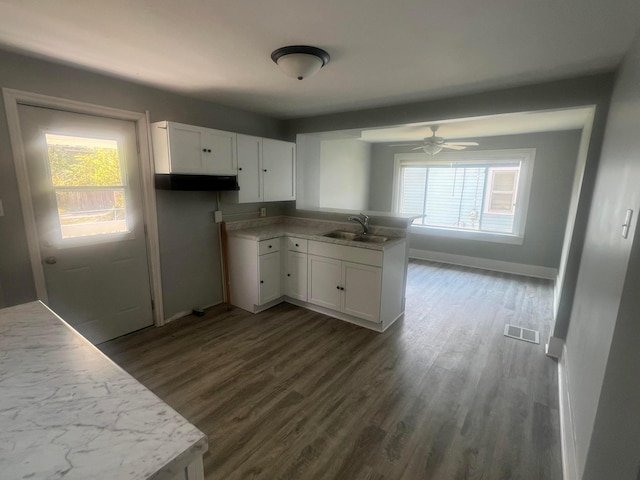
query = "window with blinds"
{"x": 472, "y": 191}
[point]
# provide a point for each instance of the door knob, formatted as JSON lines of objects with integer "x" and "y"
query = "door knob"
{"x": 50, "y": 260}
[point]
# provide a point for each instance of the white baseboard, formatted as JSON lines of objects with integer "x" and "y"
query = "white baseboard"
{"x": 568, "y": 441}
{"x": 554, "y": 347}
{"x": 486, "y": 264}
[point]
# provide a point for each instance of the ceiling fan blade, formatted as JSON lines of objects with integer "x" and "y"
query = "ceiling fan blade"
{"x": 467, "y": 144}
{"x": 453, "y": 147}
{"x": 403, "y": 144}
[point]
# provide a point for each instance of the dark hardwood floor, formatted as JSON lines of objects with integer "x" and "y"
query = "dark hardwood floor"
{"x": 291, "y": 394}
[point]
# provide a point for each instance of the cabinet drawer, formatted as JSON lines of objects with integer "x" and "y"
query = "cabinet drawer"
{"x": 268, "y": 246}
{"x": 297, "y": 244}
{"x": 343, "y": 252}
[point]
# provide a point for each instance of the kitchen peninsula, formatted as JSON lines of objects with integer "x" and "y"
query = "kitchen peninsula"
{"x": 353, "y": 272}
{"x": 67, "y": 411}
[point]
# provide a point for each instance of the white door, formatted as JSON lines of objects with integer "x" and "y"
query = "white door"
{"x": 362, "y": 284}
{"x": 85, "y": 186}
{"x": 249, "y": 169}
{"x": 296, "y": 277}
{"x": 325, "y": 279}
{"x": 187, "y": 150}
{"x": 278, "y": 168}
{"x": 269, "y": 266}
{"x": 220, "y": 156}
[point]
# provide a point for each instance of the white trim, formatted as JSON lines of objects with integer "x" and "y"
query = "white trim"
{"x": 375, "y": 326}
{"x": 554, "y": 347}
{"x": 567, "y": 431}
{"x": 11, "y": 100}
{"x": 485, "y": 264}
{"x": 466, "y": 234}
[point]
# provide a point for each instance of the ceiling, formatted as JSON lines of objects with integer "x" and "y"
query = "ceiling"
{"x": 382, "y": 52}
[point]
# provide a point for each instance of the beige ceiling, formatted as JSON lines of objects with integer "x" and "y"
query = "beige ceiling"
{"x": 383, "y": 52}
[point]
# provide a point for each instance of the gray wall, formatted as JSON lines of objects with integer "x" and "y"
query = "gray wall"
{"x": 556, "y": 154}
{"x": 345, "y": 170}
{"x": 602, "y": 346}
{"x": 188, "y": 236}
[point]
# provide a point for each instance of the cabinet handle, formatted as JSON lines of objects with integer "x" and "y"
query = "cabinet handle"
{"x": 204, "y": 150}
{"x": 341, "y": 288}
{"x": 288, "y": 274}
{"x": 261, "y": 281}
{"x": 338, "y": 287}
{"x": 209, "y": 150}
{"x": 297, "y": 245}
{"x": 264, "y": 170}
{"x": 239, "y": 169}
{"x": 270, "y": 246}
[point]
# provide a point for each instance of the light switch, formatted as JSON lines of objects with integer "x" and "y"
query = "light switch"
{"x": 627, "y": 223}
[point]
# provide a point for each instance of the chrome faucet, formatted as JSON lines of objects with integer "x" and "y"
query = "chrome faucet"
{"x": 363, "y": 220}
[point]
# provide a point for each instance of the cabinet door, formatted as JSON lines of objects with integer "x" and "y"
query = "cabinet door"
{"x": 185, "y": 149}
{"x": 279, "y": 170}
{"x": 249, "y": 169}
{"x": 219, "y": 152}
{"x": 362, "y": 287}
{"x": 325, "y": 276}
{"x": 296, "y": 275}
{"x": 269, "y": 276}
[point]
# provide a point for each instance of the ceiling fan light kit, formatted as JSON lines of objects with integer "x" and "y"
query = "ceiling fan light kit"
{"x": 300, "y": 61}
{"x": 431, "y": 149}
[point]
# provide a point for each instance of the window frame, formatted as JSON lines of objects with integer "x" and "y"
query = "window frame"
{"x": 526, "y": 157}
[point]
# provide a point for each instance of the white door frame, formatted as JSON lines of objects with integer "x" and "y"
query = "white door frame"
{"x": 12, "y": 98}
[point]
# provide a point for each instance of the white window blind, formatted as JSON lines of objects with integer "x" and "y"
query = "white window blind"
{"x": 473, "y": 191}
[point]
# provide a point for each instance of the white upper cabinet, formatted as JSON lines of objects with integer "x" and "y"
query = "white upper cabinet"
{"x": 187, "y": 149}
{"x": 279, "y": 170}
{"x": 266, "y": 170}
{"x": 249, "y": 169}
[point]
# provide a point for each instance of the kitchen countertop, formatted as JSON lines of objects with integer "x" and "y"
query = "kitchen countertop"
{"x": 67, "y": 411}
{"x": 311, "y": 229}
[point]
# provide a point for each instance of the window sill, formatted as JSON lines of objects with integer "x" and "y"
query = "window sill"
{"x": 467, "y": 235}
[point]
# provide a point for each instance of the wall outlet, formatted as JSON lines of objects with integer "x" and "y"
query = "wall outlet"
{"x": 217, "y": 216}
{"x": 263, "y": 212}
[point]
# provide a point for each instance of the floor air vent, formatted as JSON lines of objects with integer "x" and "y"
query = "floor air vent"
{"x": 520, "y": 333}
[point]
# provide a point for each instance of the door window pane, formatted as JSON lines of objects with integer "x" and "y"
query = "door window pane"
{"x": 88, "y": 180}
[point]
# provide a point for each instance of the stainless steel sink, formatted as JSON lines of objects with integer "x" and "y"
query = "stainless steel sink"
{"x": 356, "y": 237}
{"x": 342, "y": 235}
{"x": 371, "y": 239}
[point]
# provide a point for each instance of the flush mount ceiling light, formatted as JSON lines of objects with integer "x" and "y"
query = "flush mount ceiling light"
{"x": 300, "y": 61}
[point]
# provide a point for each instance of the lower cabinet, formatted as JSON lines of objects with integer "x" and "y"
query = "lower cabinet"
{"x": 269, "y": 273}
{"x": 295, "y": 268}
{"x": 360, "y": 285}
{"x": 347, "y": 287}
{"x": 254, "y": 273}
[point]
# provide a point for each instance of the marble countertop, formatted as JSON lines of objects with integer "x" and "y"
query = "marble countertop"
{"x": 67, "y": 411}
{"x": 311, "y": 229}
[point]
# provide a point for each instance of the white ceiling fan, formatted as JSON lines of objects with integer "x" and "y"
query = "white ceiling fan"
{"x": 433, "y": 145}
